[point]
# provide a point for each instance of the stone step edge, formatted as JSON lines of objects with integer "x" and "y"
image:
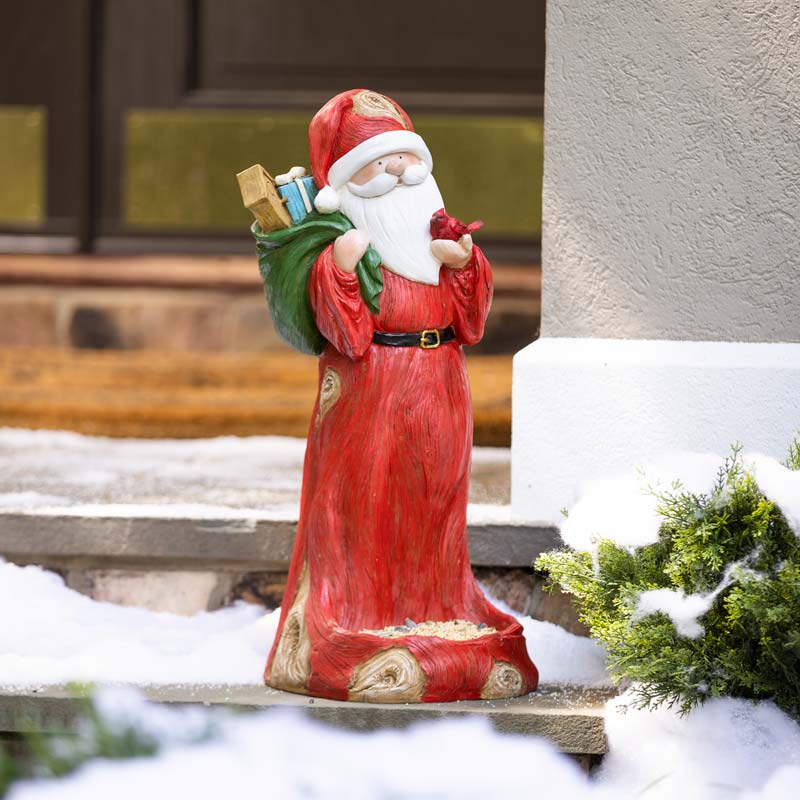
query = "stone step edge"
{"x": 232, "y": 545}
{"x": 571, "y": 718}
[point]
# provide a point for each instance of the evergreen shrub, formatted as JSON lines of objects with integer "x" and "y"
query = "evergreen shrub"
{"x": 732, "y": 544}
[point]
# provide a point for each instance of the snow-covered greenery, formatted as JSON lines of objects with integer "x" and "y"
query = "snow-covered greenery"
{"x": 711, "y": 608}
{"x": 728, "y": 748}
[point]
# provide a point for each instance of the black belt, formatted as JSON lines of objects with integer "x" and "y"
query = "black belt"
{"x": 428, "y": 339}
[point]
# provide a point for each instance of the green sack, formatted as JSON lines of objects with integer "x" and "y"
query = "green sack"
{"x": 285, "y": 259}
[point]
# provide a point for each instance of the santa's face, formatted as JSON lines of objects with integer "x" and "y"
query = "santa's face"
{"x": 393, "y": 164}
{"x": 392, "y": 199}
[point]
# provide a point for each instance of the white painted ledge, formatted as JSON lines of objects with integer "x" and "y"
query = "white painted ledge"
{"x": 587, "y": 408}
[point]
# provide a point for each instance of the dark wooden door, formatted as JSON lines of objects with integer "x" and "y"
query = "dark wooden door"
{"x": 46, "y": 128}
{"x": 153, "y": 105}
{"x": 449, "y": 54}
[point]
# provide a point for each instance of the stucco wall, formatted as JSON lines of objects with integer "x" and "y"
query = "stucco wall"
{"x": 672, "y": 170}
{"x": 592, "y": 408}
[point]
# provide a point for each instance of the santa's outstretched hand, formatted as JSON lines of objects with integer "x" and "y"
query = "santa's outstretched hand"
{"x": 454, "y": 255}
{"x": 348, "y": 250}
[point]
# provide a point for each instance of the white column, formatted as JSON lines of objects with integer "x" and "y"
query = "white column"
{"x": 671, "y": 241}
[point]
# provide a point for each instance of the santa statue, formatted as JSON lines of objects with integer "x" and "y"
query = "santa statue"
{"x": 381, "y": 604}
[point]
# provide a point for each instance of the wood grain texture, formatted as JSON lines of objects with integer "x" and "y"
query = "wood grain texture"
{"x": 382, "y": 524}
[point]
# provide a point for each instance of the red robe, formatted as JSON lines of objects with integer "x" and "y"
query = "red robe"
{"x": 382, "y": 525}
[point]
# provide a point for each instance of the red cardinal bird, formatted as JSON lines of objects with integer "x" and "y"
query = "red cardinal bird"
{"x": 443, "y": 226}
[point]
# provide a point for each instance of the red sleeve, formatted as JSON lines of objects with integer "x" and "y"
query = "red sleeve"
{"x": 339, "y": 310}
{"x": 471, "y": 289}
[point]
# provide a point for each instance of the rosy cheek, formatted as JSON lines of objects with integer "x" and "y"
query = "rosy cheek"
{"x": 366, "y": 173}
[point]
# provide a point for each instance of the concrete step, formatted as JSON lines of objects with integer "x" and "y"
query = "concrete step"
{"x": 191, "y": 525}
{"x": 225, "y": 504}
{"x": 227, "y": 544}
{"x": 190, "y": 303}
{"x": 571, "y": 718}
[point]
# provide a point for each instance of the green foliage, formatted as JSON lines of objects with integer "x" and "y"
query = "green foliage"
{"x": 57, "y": 755}
{"x": 732, "y": 543}
{"x": 793, "y": 461}
{"x": 9, "y": 771}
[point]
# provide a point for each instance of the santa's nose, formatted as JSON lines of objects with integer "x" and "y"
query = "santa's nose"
{"x": 396, "y": 167}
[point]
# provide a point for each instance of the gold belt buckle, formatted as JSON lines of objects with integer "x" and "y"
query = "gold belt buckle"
{"x": 423, "y": 340}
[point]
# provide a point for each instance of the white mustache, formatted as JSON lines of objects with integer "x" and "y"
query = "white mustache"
{"x": 384, "y": 182}
{"x": 415, "y": 174}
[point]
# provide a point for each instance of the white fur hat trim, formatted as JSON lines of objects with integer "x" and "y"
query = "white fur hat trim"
{"x": 376, "y": 146}
{"x": 327, "y": 200}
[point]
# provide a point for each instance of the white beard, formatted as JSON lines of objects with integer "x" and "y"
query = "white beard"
{"x": 398, "y": 226}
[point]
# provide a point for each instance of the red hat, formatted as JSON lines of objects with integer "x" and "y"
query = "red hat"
{"x": 348, "y": 132}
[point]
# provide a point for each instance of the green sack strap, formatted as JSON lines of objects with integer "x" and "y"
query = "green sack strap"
{"x": 285, "y": 260}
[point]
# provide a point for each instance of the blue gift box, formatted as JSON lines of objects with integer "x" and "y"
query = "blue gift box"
{"x": 298, "y": 205}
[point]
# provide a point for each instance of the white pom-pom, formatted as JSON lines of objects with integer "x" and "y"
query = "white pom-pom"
{"x": 327, "y": 200}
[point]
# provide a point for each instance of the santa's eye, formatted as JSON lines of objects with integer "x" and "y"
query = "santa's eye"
{"x": 380, "y": 163}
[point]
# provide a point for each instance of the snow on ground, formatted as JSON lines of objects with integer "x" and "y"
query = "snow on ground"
{"x": 59, "y": 470}
{"x": 171, "y": 510}
{"x": 283, "y": 755}
{"x": 230, "y": 477}
{"x": 51, "y": 634}
{"x": 728, "y": 748}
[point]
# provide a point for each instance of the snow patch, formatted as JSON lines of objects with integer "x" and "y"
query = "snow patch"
{"x": 562, "y": 658}
{"x": 255, "y": 477}
{"x": 684, "y": 610}
{"x": 287, "y": 756}
{"x": 283, "y": 512}
{"x": 57, "y": 636}
{"x": 623, "y": 508}
{"x": 48, "y": 506}
{"x": 251, "y": 472}
{"x": 50, "y": 634}
{"x": 779, "y": 484}
{"x": 490, "y": 514}
{"x": 123, "y": 708}
{"x": 727, "y": 748}
{"x": 29, "y": 500}
{"x": 491, "y": 455}
{"x": 719, "y": 750}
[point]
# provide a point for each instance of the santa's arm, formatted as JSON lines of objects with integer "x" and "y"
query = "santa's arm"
{"x": 339, "y": 310}
{"x": 471, "y": 290}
